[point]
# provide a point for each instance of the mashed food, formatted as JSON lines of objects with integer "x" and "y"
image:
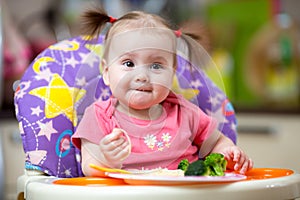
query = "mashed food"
{"x": 161, "y": 172}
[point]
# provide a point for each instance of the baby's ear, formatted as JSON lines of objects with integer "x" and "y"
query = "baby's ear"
{"x": 104, "y": 70}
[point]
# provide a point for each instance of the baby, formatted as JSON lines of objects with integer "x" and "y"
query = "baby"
{"x": 144, "y": 124}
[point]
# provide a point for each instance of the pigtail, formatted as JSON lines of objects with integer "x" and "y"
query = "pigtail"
{"x": 199, "y": 31}
{"x": 189, "y": 48}
{"x": 198, "y": 38}
{"x": 93, "y": 21}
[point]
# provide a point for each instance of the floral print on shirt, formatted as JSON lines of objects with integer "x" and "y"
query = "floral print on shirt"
{"x": 158, "y": 143}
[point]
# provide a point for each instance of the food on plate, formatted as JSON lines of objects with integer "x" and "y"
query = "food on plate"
{"x": 183, "y": 165}
{"x": 216, "y": 163}
{"x": 213, "y": 165}
{"x": 163, "y": 172}
{"x": 197, "y": 168}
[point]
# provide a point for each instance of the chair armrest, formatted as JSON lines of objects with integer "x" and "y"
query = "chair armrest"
{"x": 27, "y": 177}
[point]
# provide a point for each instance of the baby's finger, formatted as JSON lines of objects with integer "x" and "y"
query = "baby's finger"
{"x": 120, "y": 152}
{"x": 246, "y": 166}
{"x": 250, "y": 164}
{"x": 114, "y": 135}
{"x": 226, "y": 155}
{"x": 116, "y": 143}
{"x": 236, "y": 155}
{"x": 240, "y": 161}
{"x": 124, "y": 153}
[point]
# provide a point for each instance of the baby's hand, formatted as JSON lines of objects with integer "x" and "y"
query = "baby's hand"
{"x": 115, "y": 147}
{"x": 237, "y": 159}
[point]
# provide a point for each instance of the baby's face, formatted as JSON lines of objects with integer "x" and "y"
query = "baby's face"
{"x": 141, "y": 78}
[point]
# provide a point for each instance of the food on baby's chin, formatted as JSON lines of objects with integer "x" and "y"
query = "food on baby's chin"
{"x": 213, "y": 165}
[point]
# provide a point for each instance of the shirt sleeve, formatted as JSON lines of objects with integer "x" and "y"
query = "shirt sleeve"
{"x": 88, "y": 128}
{"x": 204, "y": 126}
{"x": 207, "y": 133}
{"x": 201, "y": 124}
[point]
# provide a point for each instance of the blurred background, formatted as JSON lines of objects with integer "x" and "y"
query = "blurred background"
{"x": 254, "y": 43}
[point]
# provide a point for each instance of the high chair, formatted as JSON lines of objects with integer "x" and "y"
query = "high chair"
{"x": 50, "y": 101}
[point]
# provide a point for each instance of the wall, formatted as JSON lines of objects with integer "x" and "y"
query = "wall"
{"x": 271, "y": 140}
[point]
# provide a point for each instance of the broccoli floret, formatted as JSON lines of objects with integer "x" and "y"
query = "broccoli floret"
{"x": 197, "y": 168}
{"x": 183, "y": 165}
{"x": 213, "y": 165}
{"x": 216, "y": 163}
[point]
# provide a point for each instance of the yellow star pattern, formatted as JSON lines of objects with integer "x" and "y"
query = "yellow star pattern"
{"x": 96, "y": 48}
{"x": 66, "y": 46}
{"x": 87, "y": 37}
{"x": 59, "y": 98}
{"x": 188, "y": 93}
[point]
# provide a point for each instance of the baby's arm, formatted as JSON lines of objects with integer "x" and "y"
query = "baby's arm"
{"x": 237, "y": 159}
{"x": 111, "y": 151}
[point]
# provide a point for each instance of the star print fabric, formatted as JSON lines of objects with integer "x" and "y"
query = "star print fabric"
{"x": 48, "y": 104}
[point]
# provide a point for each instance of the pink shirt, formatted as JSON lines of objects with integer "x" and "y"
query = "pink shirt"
{"x": 163, "y": 142}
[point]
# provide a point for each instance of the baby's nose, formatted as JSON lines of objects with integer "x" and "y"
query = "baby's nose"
{"x": 142, "y": 75}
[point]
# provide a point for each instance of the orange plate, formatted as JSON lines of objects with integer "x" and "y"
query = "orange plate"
{"x": 253, "y": 174}
{"x": 265, "y": 173}
{"x": 85, "y": 181}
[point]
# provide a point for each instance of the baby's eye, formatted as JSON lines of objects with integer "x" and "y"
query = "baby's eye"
{"x": 156, "y": 66}
{"x": 128, "y": 63}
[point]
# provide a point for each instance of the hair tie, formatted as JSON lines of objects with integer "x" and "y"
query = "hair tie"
{"x": 112, "y": 19}
{"x": 178, "y": 33}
